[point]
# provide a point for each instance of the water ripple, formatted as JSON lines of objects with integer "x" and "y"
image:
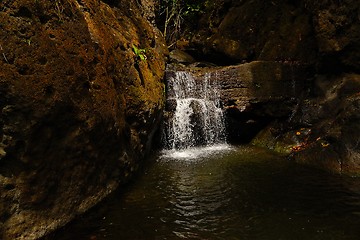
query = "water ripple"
{"x": 238, "y": 193}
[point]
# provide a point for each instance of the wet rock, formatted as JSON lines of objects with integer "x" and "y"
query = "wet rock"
{"x": 274, "y": 137}
{"x": 253, "y": 94}
{"x": 78, "y": 107}
{"x": 179, "y": 56}
{"x": 333, "y": 120}
{"x": 202, "y": 64}
{"x": 170, "y": 105}
{"x": 324, "y": 34}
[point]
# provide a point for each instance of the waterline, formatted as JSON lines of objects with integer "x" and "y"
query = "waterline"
{"x": 195, "y": 153}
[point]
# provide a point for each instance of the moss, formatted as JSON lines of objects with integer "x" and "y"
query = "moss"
{"x": 75, "y": 90}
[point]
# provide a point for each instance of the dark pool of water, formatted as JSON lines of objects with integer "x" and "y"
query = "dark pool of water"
{"x": 238, "y": 193}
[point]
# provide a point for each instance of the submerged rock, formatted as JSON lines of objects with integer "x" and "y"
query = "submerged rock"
{"x": 78, "y": 107}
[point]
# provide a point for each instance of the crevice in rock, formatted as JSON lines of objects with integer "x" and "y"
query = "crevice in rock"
{"x": 217, "y": 58}
{"x": 141, "y": 76}
{"x": 25, "y": 70}
{"x": 23, "y": 12}
{"x": 243, "y": 127}
{"x": 111, "y": 3}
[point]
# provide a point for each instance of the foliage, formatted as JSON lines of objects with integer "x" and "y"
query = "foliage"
{"x": 27, "y": 41}
{"x": 139, "y": 52}
{"x": 173, "y": 14}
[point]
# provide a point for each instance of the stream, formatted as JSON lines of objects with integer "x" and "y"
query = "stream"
{"x": 200, "y": 187}
{"x": 226, "y": 192}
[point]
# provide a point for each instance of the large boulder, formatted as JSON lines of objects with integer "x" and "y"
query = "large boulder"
{"x": 334, "y": 118}
{"x": 324, "y": 131}
{"x": 326, "y": 33}
{"x": 81, "y": 94}
{"x": 257, "y": 30}
{"x": 337, "y": 31}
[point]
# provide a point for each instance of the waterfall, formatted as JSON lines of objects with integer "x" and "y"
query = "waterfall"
{"x": 197, "y": 119}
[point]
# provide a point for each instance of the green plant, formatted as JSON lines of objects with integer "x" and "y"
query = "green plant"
{"x": 27, "y": 41}
{"x": 192, "y": 8}
{"x": 139, "y": 52}
{"x": 176, "y": 13}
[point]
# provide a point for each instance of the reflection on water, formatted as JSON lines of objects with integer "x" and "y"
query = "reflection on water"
{"x": 227, "y": 193}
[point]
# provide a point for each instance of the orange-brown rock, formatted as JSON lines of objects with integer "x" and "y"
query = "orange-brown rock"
{"x": 78, "y": 106}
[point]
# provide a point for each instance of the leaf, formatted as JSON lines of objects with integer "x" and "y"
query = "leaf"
{"x": 139, "y": 52}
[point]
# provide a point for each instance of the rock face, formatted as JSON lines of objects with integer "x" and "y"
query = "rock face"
{"x": 320, "y": 126}
{"x": 256, "y": 93}
{"x": 179, "y": 56}
{"x": 334, "y": 118}
{"x": 78, "y": 106}
{"x": 326, "y": 33}
{"x": 337, "y": 31}
{"x": 257, "y": 30}
{"x": 324, "y": 131}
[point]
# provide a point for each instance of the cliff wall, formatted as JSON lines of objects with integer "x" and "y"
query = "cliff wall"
{"x": 81, "y": 95}
{"x": 322, "y": 123}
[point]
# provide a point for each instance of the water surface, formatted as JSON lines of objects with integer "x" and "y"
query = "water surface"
{"x": 226, "y": 193}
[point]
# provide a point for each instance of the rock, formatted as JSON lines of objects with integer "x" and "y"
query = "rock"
{"x": 336, "y": 128}
{"x": 202, "y": 64}
{"x": 326, "y": 33}
{"x": 253, "y": 94}
{"x": 180, "y": 56}
{"x": 337, "y": 30}
{"x": 256, "y": 30}
{"x": 275, "y": 138}
{"x": 170, "y": 105}
{"x": 78, "y": 107}
{"x": 261, "y": 82}
{"x": 333, "y": 121}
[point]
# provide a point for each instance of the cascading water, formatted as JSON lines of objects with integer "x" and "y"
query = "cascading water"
{"x": 198, "y": 119}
